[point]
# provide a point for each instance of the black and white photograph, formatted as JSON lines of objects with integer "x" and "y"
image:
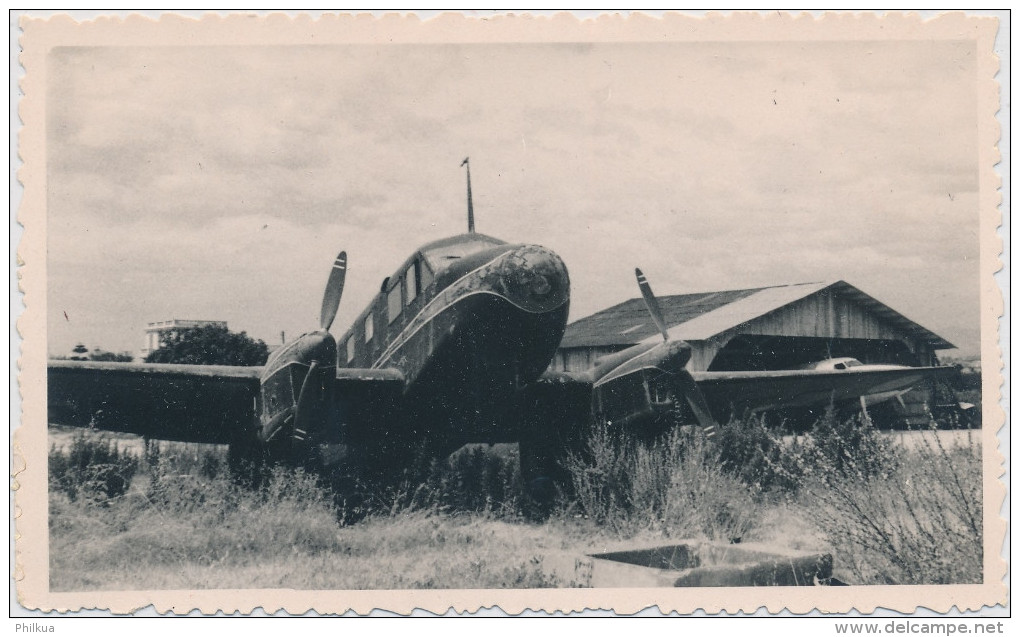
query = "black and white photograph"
{"x": 655, "y": 308}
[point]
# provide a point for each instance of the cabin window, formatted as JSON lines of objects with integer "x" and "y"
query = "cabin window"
{"x": 411, "y": 283}
{"x": 393, "y": 302}
{"x": 350, "y": 348}
{"x": 426, "y": 276}
{"x": 369, "y": 328}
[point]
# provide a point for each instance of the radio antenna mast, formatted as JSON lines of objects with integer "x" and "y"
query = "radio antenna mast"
{"x": 471, "y": 208}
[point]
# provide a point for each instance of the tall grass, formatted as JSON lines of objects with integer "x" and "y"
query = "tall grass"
{"x": 475, "y": 479}
{"x": 887, "y": 513}
{"x": 890, "y": 514}
{"x": 673, "y": 486}
{"x": 93, "y": 468}
{"x": 847, "y": 447}
{"x": 172, "y": 516}
{"x": 183, "y": 522}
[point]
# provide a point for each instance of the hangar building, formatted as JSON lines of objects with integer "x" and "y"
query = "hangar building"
{"x": 779, "y": 327}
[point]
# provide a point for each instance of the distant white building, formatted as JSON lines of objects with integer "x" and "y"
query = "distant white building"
{"x": 154, "y": 332}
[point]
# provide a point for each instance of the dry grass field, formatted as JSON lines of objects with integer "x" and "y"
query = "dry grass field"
{"x": 169, "y": 517}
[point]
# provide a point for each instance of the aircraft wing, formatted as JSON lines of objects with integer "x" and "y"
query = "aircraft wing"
{"x": 366, "y": 398}
{"x": 556, "y": 408}
{"x": 189, "y": 403}
{"x": 739, "y": 392}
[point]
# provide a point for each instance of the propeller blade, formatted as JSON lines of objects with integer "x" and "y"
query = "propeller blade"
{"x": 651, "y": 303}
{"x": 689, "y": 388}
{"x": 685, "y": 382}
{"x": 334, "y": 290}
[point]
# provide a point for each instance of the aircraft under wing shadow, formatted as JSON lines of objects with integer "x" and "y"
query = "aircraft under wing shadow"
{"x": 216, "y": 404}
{"x": 190, "y": 403}
{"x": 364, "y": 399}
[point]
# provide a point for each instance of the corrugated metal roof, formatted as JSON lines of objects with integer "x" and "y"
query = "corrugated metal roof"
{"x": 694, "y": 317}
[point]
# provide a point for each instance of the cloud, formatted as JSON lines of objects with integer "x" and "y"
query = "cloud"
{"x": 211, "y": 181}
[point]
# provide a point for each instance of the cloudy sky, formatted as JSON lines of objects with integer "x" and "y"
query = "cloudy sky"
{"x": 220, "y": 182}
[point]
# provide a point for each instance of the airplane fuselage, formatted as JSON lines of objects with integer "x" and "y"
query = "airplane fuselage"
{"x": 464, "y": 322}
{"x": 469, "y": 285}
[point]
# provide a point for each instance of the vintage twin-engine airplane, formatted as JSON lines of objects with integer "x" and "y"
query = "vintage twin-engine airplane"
{"x": 454, "y": 349}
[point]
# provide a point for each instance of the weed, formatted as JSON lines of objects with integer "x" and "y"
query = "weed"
{"x": 93, "y": 469}
{"x": 915, "y": 521}
{"x": 206, "y": 460}
{"x": 476, "y": 478}
{"x": 174, "y": 518}
{"x": 751, "y": 451}
{"x": 851, "y": 447}
{"x": 674, "y": 486}
{"x": 599, "y": 474}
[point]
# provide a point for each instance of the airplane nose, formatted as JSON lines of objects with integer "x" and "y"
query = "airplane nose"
{"x": 540, "y": 285}
{"x": 535, "y": 279}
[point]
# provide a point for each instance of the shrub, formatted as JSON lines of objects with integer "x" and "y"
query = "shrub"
{"x": 599, "y": 474}
{"x": 177, "y": 489}
{"x": 849, "y": 447}
{"x": 476, "y": 478}
{"x": 916, "y": 522}
{"x": 673, "y": 485}
{"x": 93, "y": 469}
{"x": 842, "y": 446}
{"x": 701, "y": 499}
{"x": 104, "y": 356}
{"x": 749, "y": 450}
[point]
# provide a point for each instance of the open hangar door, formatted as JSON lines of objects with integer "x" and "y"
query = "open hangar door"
{"x": 757, "y": 352}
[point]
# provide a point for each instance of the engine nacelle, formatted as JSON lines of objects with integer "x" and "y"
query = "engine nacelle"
{"x": 297, "y": 390}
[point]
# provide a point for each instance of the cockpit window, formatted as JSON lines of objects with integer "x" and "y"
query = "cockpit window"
{"x": 369, "y": 327}
{"x": 440, "y": 256}
{"x": 393, "y": 302}
{"x": 425, "y": 277}
{"x": 411, "y": 283}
